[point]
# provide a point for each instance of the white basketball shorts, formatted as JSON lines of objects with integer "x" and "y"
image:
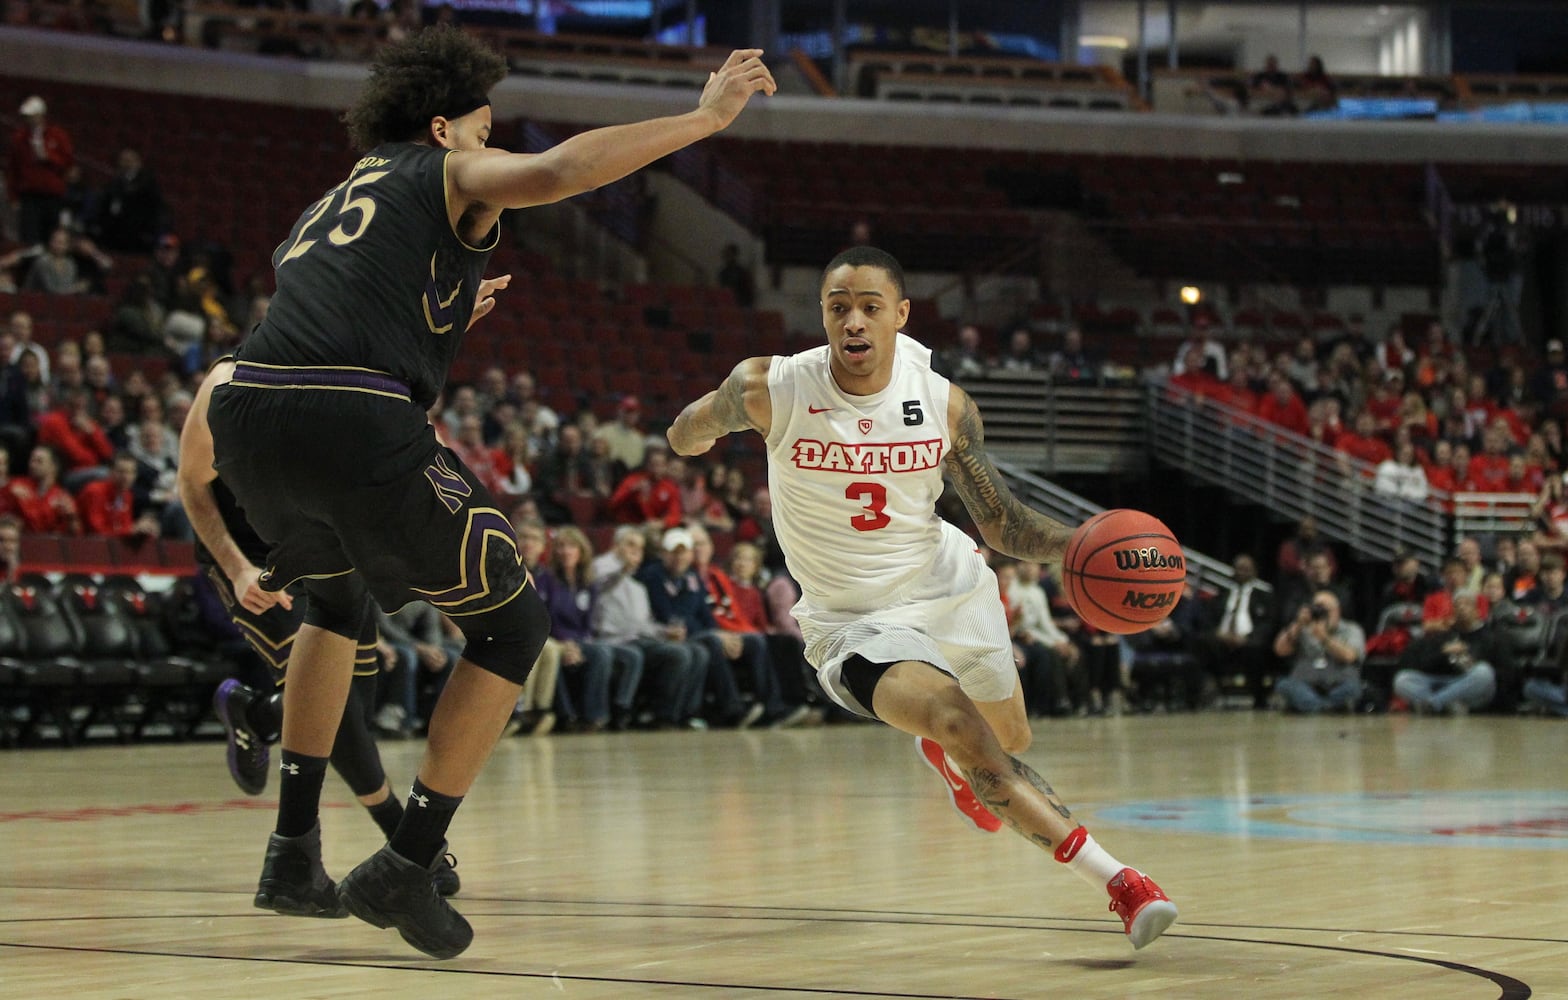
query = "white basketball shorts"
{"x": 952, "y": 619}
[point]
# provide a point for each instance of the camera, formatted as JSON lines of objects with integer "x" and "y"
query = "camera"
{"x": 1318, "y": 612}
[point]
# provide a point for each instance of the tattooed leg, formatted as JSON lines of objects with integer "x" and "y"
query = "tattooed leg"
{"x": 919, "y": 699}
{"x": 1024, "y": 801}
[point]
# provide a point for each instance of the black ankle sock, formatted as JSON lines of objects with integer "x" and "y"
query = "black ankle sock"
{"x": 299, "y": 792}
{"x": 422, "y": 833}
{"x": 387, "y": 814}
{"x": 265, "y": 715}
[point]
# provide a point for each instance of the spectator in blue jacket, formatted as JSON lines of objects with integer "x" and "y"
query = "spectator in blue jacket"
{"x": 679, "y": 596}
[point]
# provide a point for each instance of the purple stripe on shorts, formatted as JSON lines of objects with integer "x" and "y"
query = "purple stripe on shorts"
{"x": 317, "y": 378}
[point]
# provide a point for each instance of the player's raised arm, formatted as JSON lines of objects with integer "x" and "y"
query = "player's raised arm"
{"x": 1005, "y": 523}
{"x": 600, "y": 156}
{"x": 741, "y": 402}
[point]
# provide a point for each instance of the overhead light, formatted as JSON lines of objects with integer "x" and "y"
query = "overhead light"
{"x": 1191, "y": 294}
{"x": 1103, "y": 42}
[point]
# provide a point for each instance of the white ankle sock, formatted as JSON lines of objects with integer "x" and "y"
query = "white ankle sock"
{"x": 1089, "y": 861}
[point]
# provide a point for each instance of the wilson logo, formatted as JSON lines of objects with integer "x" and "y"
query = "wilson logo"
{"x": 1149, "y": 558}
{"x": 1148, "y": 602}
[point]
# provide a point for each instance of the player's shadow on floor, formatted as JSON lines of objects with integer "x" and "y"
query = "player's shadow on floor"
{"x": 1107, "y": 964}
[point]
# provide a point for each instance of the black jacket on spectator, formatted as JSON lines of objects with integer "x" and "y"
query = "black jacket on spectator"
{"x": 130, "y": 212}
{"x": 1486, "y": 644}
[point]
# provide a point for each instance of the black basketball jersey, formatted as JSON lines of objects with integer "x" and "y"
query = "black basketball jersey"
{"x": 373, "y": 276}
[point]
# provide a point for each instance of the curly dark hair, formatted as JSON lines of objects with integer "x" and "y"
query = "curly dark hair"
{"x": 429, "y": 73}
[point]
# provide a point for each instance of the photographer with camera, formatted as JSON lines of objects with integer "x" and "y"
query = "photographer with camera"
{"x": 1325, "y": 653}
{"x": 1459, "y": 664}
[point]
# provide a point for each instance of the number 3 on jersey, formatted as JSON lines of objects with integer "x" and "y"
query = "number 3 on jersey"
{"x": 873, "y": 498}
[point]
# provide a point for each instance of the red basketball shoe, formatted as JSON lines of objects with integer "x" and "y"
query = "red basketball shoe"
{"x": 1143, "y": 906}
{"x": 963, "y": 796}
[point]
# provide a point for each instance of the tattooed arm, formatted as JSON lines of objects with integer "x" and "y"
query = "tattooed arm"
{"x": 1005, "y": 523}
{"x": 741, "y": 402}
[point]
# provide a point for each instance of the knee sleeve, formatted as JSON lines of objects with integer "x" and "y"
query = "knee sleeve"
{"x": 339, "y": 604}
{"x": 861, "y": 676}
{"x": 506, "y": 640}
{"x": 354, "y": 753}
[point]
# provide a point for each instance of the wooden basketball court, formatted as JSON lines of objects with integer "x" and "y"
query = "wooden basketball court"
{"x": 1383, "y": 856}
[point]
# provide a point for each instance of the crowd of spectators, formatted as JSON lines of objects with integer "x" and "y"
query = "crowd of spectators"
{"x": 683, "y": 620}
{"x": 1489, "y": 634}
{"x": 81, "y": 451}
{"x": 1416, "y": 423}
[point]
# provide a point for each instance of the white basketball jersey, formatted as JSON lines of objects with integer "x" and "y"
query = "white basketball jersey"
{"x": 855, "y": 479}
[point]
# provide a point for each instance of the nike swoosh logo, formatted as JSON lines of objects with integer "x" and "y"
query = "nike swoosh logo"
{"x": 954, "y": 784}
{"x": 818, "y": 409}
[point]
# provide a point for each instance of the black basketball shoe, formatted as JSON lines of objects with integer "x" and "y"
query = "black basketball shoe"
{"x": 293, "y": 882}
{"x": 248, "y": 753}
{"x": 388, "y": 890}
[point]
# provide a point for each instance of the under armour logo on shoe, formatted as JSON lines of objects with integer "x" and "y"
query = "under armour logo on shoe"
{"x": 422, "y": 800}
{"x": 289, "y": 768}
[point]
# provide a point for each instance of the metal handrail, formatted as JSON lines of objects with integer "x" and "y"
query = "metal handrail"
{"x": 1292, "y": 475}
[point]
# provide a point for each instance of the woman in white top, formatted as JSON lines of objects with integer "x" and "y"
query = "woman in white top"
{"x": 1401, "y": 476}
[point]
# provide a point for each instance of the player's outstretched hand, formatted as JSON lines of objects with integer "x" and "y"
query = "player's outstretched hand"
{"x": 486, "y": 299}
{"x": 728, "y": 90}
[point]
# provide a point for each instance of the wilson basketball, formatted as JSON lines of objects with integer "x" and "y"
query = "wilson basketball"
{"x": 1123, "y": 571}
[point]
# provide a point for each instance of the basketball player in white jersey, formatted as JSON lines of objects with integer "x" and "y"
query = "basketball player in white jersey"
{"x": 901, "y": 617}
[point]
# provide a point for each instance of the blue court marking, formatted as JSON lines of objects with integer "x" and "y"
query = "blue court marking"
{"x": 1530, "y": 819}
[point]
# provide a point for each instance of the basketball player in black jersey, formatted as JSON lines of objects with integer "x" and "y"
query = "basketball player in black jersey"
{"x": 229, "y": 551}
{"x": 321, "y": 434}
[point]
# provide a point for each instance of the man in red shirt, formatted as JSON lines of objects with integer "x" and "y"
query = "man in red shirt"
{"x": 73, "y": 433}
{"x": 45, "y": 506}
{"x": 648, "y": 495}
{"x": 1281, "y": 406}
{"x": 8, "y": 505}
{"x": 1236, "y": 392}
{"x": 1488, "y": 469}
{"x": 1363, "y": 442}
{"x": 1386, "y": 398}
{"x": 1197, "y": 379}
{"x": 1439, "y": 469}
{"x": 108, "y": 506}
{"x": 39, "y": 157}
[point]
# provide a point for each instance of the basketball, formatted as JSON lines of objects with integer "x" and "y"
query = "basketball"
{"x": 1123, "y": 571}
